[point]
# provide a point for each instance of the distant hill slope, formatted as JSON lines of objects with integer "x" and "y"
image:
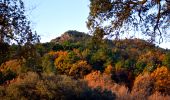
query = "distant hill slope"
{"x": 71, "y": 36}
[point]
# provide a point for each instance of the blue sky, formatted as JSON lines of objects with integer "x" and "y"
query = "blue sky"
{"x": 51, "y": 18}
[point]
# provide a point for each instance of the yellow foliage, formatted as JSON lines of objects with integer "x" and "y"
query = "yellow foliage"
{"x": 65, "y": 65}
{"x": 162, "y": 79}
{"x": 80, "y": 68}
{"x": 108, "y": 69}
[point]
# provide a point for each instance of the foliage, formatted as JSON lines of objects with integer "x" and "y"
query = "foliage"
{"x": 13, "y": 65}
{"x": 31, "y": 86}
{"x": 143, "y": 86}
{"x": 14, "y": 24}
{"x": 48, "y": 64}
{"x": 101, "y": 58}
{"x": 115, "y": 17}
{"x": 166, "y": 60}
{"x": 158, "y": 96}
{"x": 97, "y": 79}
{"x": 15, "y": 28}
{"x": 161, "y": 77}
{"x": 111, "y": 70}
{"x": 43, "y": 48}
{"x": 69, "y": 63}
{"x": 4, "y": 52}
{"x": 6, "y": 76}
{"x": 79, "y": 69}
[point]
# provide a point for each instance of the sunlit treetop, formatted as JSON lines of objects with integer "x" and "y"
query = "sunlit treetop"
{"x": 116, "y": 17}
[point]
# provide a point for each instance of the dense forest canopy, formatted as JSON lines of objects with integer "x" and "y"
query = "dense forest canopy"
{"x": 79, "y": 66}
{"x": 116, "y": 17}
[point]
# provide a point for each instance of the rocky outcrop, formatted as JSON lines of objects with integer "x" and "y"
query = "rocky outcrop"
{"x": 72, "y": 36}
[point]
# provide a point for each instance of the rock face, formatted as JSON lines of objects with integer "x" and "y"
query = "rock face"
{"x": 71, "y": 36}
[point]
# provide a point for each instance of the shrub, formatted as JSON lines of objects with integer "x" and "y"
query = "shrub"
{"x": 161, "y": 77}
{"x": 48, "y": 64}
{"x": 13, "y": 65}
{"x": 143, "y": 86}
{"x": 159, "y": 96}
{"x": 68, "y": 63}
{"x": 79, "y": 69}
{"x": 103, "y": 81}
{"x": 51, "y": 87}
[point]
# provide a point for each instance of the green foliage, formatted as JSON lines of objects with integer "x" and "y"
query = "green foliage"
{"x": 166, "y": 60}
{"x": 130, "y": 64}
{"x": 32, "y": 64}
{"x": 43, "y": 48}
{"x": 101, "y": 58}
{"x": 48, "y": 64}
{"x": 57, "y": 47}
{"x": 140, "y": 67}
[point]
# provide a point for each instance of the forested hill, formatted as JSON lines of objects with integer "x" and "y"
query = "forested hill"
{"x": 78, "y": 66}
{"x": 76, "y": 37}
{"x": 81, "y": 64}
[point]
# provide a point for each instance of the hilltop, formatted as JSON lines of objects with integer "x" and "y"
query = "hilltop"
{"x": 71, "y": 36}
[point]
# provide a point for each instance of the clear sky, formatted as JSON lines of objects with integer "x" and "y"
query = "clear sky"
{"x": 51, "y": 18}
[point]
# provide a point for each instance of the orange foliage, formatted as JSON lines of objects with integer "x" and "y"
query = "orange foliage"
{"x": 12, "y": 65}
{"x": 143, "y": 86}
{"x": 58, "y": 53}
{"x": 161, "y": 77}
{"x": 158, "y": 96}
{"x": 98, "y": 80}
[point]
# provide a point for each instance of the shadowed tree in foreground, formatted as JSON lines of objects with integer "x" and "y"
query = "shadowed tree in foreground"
{"x": 14, "y": 26}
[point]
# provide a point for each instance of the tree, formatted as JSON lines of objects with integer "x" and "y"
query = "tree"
{"x": 4, "y": 55}
{"x": 14, "y": 25}
{"x": 143, "y": 86}
{"x": 161, "y": 78}
{"x": 166, "y": 60}
{"x": 114, "y": 17}
{"x": 15, "y": 28}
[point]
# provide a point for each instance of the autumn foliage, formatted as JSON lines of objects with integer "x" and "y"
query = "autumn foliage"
{"x": 120, "y": 70}
{"x": 161, "y": 78}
